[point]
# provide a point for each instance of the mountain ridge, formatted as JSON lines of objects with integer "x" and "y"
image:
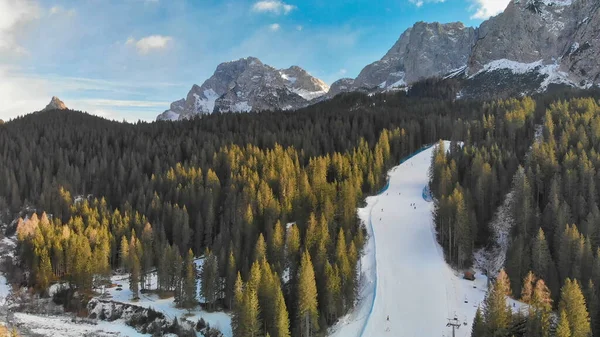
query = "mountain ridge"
{"x": 247, "y": 85}
{"x": 535, "y": 43}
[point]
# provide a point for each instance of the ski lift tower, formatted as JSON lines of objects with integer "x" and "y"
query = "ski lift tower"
{"x": 455, "y": 324}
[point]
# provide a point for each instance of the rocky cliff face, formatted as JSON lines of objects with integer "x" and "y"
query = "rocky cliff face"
{"x": 55, "y": 104}
{"x": 248, "y": 85}
{"x": 425, "y": 50}
{"x": 564, "y": 34}
{"x": 533, "y": 42}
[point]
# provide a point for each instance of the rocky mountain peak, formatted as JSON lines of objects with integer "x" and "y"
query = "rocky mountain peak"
{"x": 245, "y": 85}
{"x": 422, "y": 51}
{"x": 55, "y": 104}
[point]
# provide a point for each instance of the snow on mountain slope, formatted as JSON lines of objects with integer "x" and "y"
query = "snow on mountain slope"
{"x": 403, "y": 272}
{"x": 246, "y": 85}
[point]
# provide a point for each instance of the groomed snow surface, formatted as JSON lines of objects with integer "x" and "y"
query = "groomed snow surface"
{"x": 403, "y": 272}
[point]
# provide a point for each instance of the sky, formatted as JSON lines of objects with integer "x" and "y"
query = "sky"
{"x": 129, "y": 59}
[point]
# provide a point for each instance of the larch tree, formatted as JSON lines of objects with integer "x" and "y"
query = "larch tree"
{"x": 564, "y": 327}
{"x": 189, "y": 299}
{"x": 572, "y": 302}
{"x": 307, "y": 307}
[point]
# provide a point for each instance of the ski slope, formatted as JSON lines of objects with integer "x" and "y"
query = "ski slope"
{"x": 403, "y": 272}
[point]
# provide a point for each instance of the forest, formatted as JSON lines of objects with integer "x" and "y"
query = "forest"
{"x": 269, "y": 199}
{"x": 552, "y": 179}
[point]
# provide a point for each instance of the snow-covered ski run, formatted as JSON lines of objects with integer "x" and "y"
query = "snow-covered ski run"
{"x": 403, "y": 272}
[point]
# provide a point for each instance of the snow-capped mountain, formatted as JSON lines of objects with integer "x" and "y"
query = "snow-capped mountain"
{"x": 531, "y": 45}
{"x": 560, "y": 37}
{"x": 424, "y": 50}
{"x": 55, "y": 104}
{"x": 248, "y": 85}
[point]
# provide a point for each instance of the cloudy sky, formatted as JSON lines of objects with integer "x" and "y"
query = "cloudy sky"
{"x": 128, "y": 59}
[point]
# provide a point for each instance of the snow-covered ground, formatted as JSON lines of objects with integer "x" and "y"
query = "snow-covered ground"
{"x": 403, "y": 272}
{"x": 64, "y": 327}
{"x": 218, "y": 320}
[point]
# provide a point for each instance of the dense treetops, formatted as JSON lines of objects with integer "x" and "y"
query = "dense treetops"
{"x": 268, "y": 202}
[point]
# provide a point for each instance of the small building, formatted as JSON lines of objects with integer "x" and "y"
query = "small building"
{"x": 469, "y": 275}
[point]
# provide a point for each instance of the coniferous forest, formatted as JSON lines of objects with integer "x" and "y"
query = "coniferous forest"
{"x": 269, "y": 201}
{"x": 553, "y": 259}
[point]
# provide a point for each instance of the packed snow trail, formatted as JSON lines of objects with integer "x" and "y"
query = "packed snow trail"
{"x": 403, "y": 272}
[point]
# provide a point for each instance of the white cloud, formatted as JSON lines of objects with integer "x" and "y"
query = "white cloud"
{"x": 274, "y": 27}
{"x": 13, "y": 15}
{"x": 420, "y": 3}
{"x": 119, "y": 103}
{"x": 273, "y": 6}
{"x": 150, "y": 43}
{"x": 486, "y": 8}
{"x": 299, "y": 28}
{"x": 57, "y": 10}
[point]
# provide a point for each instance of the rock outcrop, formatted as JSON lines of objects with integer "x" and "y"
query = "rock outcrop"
{"x": 248, "y": 85}
{"x": 424, "y": 50}
{"x": 55, "y": 104}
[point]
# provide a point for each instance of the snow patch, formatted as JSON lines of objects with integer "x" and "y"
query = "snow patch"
{"x": 308, "y": 95}
{"x": 551, "y": 71}
{"x": 206, "y": 104}
{"x": 242, "y": 107}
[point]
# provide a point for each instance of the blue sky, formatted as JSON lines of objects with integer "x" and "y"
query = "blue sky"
{"x": 128, "y": 59}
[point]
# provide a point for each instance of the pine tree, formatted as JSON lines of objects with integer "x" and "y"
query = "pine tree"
{"x": 277, "y": 248}
{"x": 573, "y": 304}
{"x": 230, "y": 280}
{"x": 124, "y": 253}
{"x": 292, "y": 248}
{"x": 540, "y": 307}
{"x": 189, "y": 299}
{"x": 563, "y": 329}
{"x": 591, "y": 299}
{"x": 44, "y": 274}
{"x": 134, "y": 276}
{"x": 282, "y": 320}
{"x": 497, "y": 314}
{"x": 253, "y": 325}
{"x": 260, "y": 249}
{"x": 479, "y": 328}
{"x": 528, "y": 285}
{"x": 307, "y": 308}
{"x": 237, "y": 316}
{"x": 210, "y": 286}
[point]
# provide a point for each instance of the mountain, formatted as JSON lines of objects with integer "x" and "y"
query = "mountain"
{"x": 555, "y": 41}
{"x": 248, "y": 85}
{"x": 424, "y": 50}
{"x": 55, "y": 104}
{"x": 531, "y": 45}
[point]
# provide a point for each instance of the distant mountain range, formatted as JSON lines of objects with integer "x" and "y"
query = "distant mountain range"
{"x": 531, "y": 45}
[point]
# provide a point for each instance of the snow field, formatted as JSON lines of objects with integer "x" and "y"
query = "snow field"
{"x": 403, "y": 272}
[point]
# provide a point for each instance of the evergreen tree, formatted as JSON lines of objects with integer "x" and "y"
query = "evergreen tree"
{"x": 478, "y": 329}
{"x": 307, "y": 307}
{"x": 573, "y": 304}
{"x": 209, "y": 274}
{"x": 497, "y": 313}
{"x": 563, "y": 329}
{"x": 134, "y": 276}
{"x": 189, "y": 300}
